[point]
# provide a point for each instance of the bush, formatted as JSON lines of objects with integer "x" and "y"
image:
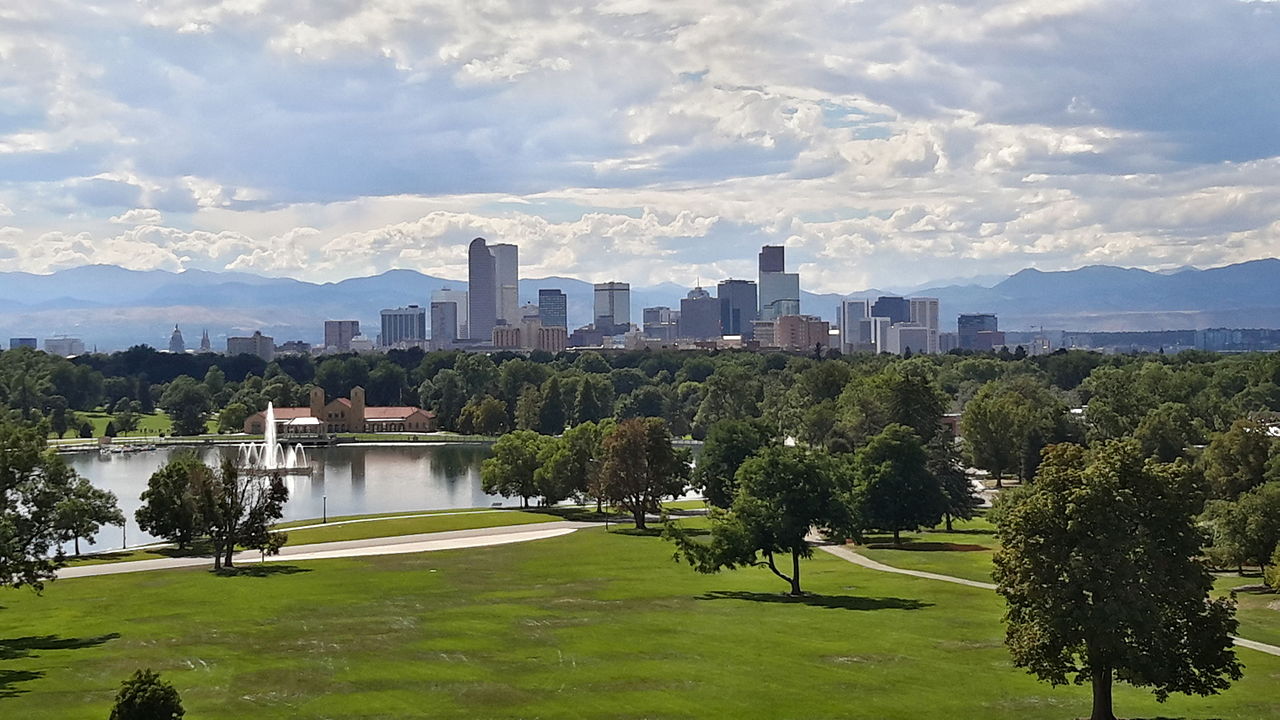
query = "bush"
{"x": 146, "y": 697}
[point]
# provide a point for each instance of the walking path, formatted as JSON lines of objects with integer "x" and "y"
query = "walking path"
{"x": 422, "y": 542}
{"x": 856, "y": 558}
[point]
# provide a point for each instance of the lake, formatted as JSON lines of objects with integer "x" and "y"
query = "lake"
{"x": 348, "y": 479}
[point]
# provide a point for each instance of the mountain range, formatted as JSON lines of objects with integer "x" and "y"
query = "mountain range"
{"x": 112, "y": 308}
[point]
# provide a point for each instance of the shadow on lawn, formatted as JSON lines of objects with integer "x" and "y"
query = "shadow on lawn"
{"x": 832, "y": 602}
{"x": 25, "y": 647}
{"x": 926, "y": 546}
{"x": 260, "y": 570}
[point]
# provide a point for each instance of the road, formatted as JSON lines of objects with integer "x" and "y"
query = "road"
{"x": 422, "y": 542}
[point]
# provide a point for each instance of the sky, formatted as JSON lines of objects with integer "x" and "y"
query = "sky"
{"x": 885, "y": 143}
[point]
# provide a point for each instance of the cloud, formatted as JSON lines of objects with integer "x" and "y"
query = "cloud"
{"x": 138, "y": 216}
{"x": 884, "y": 142}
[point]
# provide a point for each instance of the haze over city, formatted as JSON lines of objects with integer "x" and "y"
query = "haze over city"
{"x": 885, "y": 144}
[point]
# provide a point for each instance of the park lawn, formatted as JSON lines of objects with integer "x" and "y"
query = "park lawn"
{"x": 378, "y": 526}
{"x": 590, "y": 624}
{"x": 1258, "y": 609}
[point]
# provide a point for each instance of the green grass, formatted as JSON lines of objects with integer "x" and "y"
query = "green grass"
{"x": 148, "y": 425}
{"x": 585, "y": 625}
{"x": 391, "y": 526}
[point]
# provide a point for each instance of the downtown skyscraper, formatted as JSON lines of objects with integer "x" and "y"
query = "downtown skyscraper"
{"x": 482, "y": 291}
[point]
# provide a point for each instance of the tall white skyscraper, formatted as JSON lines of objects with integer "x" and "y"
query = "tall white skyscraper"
{"x": 613, "y": 307}
{"x": 854, "y": 335}
{"x": 506, "y": 259}
{"x": 924, "y": 312}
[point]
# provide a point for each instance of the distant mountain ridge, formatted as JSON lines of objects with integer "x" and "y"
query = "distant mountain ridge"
{"x": 114, "y": 308}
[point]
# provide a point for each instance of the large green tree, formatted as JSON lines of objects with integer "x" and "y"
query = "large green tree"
{"x": 34, "y": 482}
{"x": 1246, "y": 531}
{"x": 569, "y": 465}
{"x": 187, "y": 402}
{"x": 1239, "y": 459}
{"x": 947, "y": 467}
{"x": 238, "y": 510}
{"x": 1098, "y": 567}
{"x": 171, "y": 503}
{"x": 782, "y": 494}
{"x": 729, "y": 443}
{"x": 84, "y": 509}
{"x": 893, "y": 489}
{"x": 640, "y": 467}
{"x": 144, "y": 696}
{"x": 510, "y": 470}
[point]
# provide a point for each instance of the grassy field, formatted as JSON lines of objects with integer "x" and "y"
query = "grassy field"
{"x": 967, "y": 553}
{"x": 148, "y": 425}
{"x": 585, "y": 625}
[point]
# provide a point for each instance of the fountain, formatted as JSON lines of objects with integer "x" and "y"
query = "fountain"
{"x": 271, "y": 456}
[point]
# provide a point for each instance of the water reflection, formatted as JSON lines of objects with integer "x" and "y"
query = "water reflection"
{"x": 355, "y": 479}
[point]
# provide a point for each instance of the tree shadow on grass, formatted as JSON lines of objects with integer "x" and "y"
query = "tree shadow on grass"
{"x": 831, "y": 602}
{"x": 25, "y": 647}
{"x": 260, "y": 570}
{"x": 969, "y": 531}
{"x": 927, "y": 546}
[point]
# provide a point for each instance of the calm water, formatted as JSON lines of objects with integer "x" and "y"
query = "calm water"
{"x": 350, "y": 479}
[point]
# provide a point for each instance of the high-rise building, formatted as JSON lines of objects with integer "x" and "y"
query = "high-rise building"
{"x": 924, "y": 312}
{"x": 855, "y": 336}
{"x": 264, "y": 346}
{"x": 444, "y": 324}
{"x": 773, "y": 258}
{"x": 406, "y": 325}
{"x": 553, "y": 308}
{"x": 506, "y": 266}
{"x": 877, "y": 329}
{"x": 338, "y": 334}
{"x": 779, "y": 290}
{"x": 907, "y": 336}
{"x": 551, "y": 339}
{"x": 64, "y": 346}
{"x": 739, "y": 307}
{"x": 530, "y": 322}
{"x": 507, "y": 337}
{"x": 613, "y": 307}
{"x": 801, "y": 333}
{"x": 23, "y": 342}
{"x": 970, "y": 324}
{"x": 897, "y": 309}
{"x": 459, "y": 299}
{"x": 176, "y": 343}
{"x": 661, "y": 323}
{"x": 700, "y": 316}
{"x": 482, "y": 291}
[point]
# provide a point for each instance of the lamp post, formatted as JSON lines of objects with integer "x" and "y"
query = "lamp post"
{"x": 324, "y": 512}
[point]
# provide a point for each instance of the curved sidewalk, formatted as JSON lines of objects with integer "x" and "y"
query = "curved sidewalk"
{"x": 856, "y": 558}
{"x": 422, "y": 542}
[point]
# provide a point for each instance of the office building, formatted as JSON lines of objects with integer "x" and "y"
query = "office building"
{"x": 773, "y": 258}
{"x": 444, "y": 324}
{"x": 530, "y": 323}
{"x": 506, "y": 266}
{"x": 855, "y": 336}
{"x": 612, "y": 307}
{"x": 986, "y": 340}
{"x": 801, "y": 333}
{"x": 404, "y": 326}
{"x": 294, "y": 347}
{"x": 23, "y": 342}
{"x": 661, "y": 323}
{"x": 700, "y": 316}
{"x": 176, "y": 343}
{"x": 739, "y": 307}
{"x": 948, "y": 341}
{"x": 903, "y": 337}
{"x": 897, "y": 309}
{"x": 924, "y": 312}
{"x": 551, "y": 339}
{"x": 338, "y": 334}
{"x": 482, "y": 291}
{"x": 506, "y": 337}
{"x": 64, "y": 346}
{"x": 263, "y": 346}
{"x": 877, "y": 330}
{"x": 969, "y": 325}
{"x": 553, "y": 308}
{"x": 459, "y": 299}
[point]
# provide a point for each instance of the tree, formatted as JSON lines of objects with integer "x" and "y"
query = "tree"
{"x": 782, "y": 493}
{"x": 893, "y": 488}
{"x": 593, "y": 402}
{"x": 144, "y": 696}
{"x": 1007, "y": 423}
{"x": 238, "y": 510}
{"x": 171, "y": 503}
{"x": 729, "y": 443}
{"x": 552, "y": 416}
{"x": 126, "y": 415}
{"x": 86, "y": 429}
{"x": 1246, "y": 531}
{"x": 231, "y": 418}
{"x": 568, "y": 465}
{"x": 486, "y": 416}
{"x": 84, "y": 509}
{"x": 641, "y": 467}
{"x": 58, "y": 419}
{"x": 1237, "y": 460}
{"x": 944, "y": 464}
{"x": 33, "y": 482}
{"x": 446, "y": 394}
{"x": 529, "y": 408}
{"x": 645, "y": 401}
{"x": 1166, "y": 432}
{"x": 187, "y": 403}
{"x": 1098, "y": 567}
{"x": 510, "y": 471}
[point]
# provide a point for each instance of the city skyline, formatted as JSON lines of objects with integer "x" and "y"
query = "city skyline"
{"x": 870, "y": 139}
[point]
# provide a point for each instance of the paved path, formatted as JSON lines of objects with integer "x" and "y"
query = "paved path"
{"x": 856, "y": 558}
{"x": 422, "y": 542}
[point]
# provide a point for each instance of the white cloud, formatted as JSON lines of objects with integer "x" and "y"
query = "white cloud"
{"x": 138, "y": 216}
